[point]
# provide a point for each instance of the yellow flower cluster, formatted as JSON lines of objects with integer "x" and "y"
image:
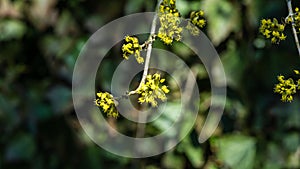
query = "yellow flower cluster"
{"x": 296, "y": 19}
{"x": 197, "y": 18}
{"x": 153, "y": 90}
{"x": 169, "y": 22}
{"x": 132, "y": 46}
{"x": 106, "y": 102}
{"x": 287, "y": 87}
{"x": 272, "y": 30}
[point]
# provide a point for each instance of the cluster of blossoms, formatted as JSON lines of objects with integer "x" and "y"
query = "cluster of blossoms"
{"x": 170, "y": 22}
{"x": 107, "y": 103}
{"x": 153, "y": 90}
{"x": 287, "y": 87}
{"x": 273, "y": 30}
{"x": 296, "y": 17}
{"x": 196, "y": 20}
{"x": 132, "y": 46}
{"x": 150, "y": 92}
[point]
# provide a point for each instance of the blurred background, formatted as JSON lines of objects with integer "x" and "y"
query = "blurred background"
{"x": 41, "y": 39}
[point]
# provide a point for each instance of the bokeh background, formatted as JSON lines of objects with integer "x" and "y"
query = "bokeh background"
{"x": 41, "y": 39}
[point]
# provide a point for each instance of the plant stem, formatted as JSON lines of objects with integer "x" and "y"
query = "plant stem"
{"x": 289, "y": 4}
{"x": 142, "y": 117}
{"x": 149, "y": 50}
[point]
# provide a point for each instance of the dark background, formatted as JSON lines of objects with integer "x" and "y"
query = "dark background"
{"x": 41, "y": 39}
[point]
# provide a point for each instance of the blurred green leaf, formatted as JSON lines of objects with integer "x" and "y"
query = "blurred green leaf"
{"x": 171, "y": 112}
{"x": 11, "y": 29}
{"x": 211, "y": 166}
{"x": 60, "y": 98}
{"x": 22, "y": 147}
{"x": 65, "y": 24}
{"x": 185, "y": 7}
{"x": 8, "y": 113}
{"x": 194, "y": 154}
{"x": 236, "y": 151}
{"x": 232, "y": 62}
{"x": 288, "y": 114}
{"x": 223, "y": 18}
{"x": 151, "y": 167}
{"x": 170, "y": 160}
{"x": 56, "y": 46}
{"x": 291, "y": 141}
{"x": 182, "y": 50}
{"x": 274, "y": 159}
{"x": 133, "y": 6}
{"x": 293, "y": 159}
{"x": 253, "y": 11}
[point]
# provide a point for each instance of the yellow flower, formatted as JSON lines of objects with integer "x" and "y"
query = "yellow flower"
{"x": 282, "y": 36}
{"x": 281, "y": 28}
{"x": 132, "y": 46}
{"x": 152, "y": 90}
{"x": 169, "y": 22}
{"x": 286, "y": 88}
{"x": 106, "y": 102}
{"x": 273, "y": 30}
{"x": 172, "y": 2}
{"x": 296, "y": 19}
{"x": 275, "y": 33}
{"x": 165, "y": 89}
{"x": 197, "y": 18}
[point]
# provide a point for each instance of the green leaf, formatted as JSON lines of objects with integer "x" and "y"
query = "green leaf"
{"x": 293, "y": 160}
{"x": 236, "y": 151}
{"x": 194, "y": 154}
{"x": 223, "y": 18}
{"x": 288, "y": 114}
{"x": 274, "y": 157}
{"x": 170, "y": 160}
{"x": 11, "y": 29}
{"x": 291, "y": 141}
{"x": 8, "y": 113}
{"x": 20, "y": 148}
{"x": 170, "y": 114}
{"x": 232, "y": 62}
{"x": 133, "y": 6}
{"x": 60, "y": 98}
{"x": 65, "y": 24}
{"x": 211, "y": 166}
{"x": 185, "y": 7}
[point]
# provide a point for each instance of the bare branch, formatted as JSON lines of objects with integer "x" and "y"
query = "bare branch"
{"x": 291, "y": 14}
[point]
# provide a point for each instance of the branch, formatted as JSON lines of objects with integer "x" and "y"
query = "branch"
{"x": 289, "y": 4}
{"x": 143, "y": 116}
{"x": 149, "y": 49}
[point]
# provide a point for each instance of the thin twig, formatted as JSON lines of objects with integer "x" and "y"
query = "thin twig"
{"x": 291, "y": 14}
{"x": 142, "y": 116}
{"x": 149, "y": 49}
